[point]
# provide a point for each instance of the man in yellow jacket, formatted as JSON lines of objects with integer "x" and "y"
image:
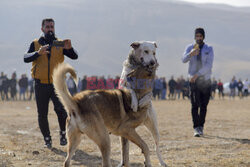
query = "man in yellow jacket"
{"x": 45, "y": 55}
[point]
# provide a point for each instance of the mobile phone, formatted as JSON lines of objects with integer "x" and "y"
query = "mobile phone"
{"x": 58, "y": 43}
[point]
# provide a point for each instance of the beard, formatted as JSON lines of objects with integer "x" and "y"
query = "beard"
{"x": 199, "y": 41}
{"x": 50, "y": 36}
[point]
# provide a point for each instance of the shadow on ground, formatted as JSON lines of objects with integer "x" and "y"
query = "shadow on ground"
{"x": 242, "y": 141}
{"x": 82, "y": 158}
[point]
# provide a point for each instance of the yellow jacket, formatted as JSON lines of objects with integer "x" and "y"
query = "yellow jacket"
{"x": 43, "y": 66}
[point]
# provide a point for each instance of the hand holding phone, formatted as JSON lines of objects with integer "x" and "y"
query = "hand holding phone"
{"x": 43, "y": 50}
{"x": 195, "y": 51}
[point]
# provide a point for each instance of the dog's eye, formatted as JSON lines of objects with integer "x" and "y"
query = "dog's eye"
{"x": 146, "y": 51}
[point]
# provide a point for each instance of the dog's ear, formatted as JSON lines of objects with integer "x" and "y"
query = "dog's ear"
{"x": 155, "y": 45}
{"x": 135, "y": 45}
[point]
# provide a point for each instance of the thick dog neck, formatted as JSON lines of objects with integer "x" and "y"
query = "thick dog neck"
{"x": 142, "y": 81}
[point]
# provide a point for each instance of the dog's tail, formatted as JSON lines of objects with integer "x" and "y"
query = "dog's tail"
{"x": 61, "y": 89}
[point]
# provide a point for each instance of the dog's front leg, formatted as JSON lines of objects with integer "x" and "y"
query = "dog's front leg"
{"x": 124, "y": 153}
{"x": 134, "y": 100}
{"x": 131, "y": 135}
{"x": 152, "y": 126}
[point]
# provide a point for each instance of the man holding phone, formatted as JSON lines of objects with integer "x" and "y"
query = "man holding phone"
{"x": 200, "y": 57}
{"x": 45, "y": 54}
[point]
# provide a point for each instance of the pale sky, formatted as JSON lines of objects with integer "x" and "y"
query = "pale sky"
{"x": 239, "y": 3}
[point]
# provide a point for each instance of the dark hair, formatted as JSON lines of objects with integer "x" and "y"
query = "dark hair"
{"x": 200, "y": 30}
{"x": 47, "y": 20}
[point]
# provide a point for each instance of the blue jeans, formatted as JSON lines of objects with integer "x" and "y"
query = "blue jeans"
{"x": 163, "y": 94}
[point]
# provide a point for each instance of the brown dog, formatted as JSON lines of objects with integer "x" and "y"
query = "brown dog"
{"x": 100, "y": 112}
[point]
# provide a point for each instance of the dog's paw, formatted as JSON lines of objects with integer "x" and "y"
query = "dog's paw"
{"x": 164, "y": 164}
{"x": 122, "y": 165}
{"x": 147, "y": 165}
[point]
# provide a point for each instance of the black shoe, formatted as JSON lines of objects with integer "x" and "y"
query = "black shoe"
{"x": 48, "y": 142}
{"x": 63, "y": 140}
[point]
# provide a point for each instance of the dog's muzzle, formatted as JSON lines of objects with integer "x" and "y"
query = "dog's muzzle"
{"x": 151, "y": 67}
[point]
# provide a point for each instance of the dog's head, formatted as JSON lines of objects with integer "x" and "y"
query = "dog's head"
{"x": 144, "y": 53}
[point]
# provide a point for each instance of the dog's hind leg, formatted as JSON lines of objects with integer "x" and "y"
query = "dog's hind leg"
{"x": 131, "y": 135}
{"x": 99, "y": 134}
{"x": 74, "y": 138}
{"x": 125, "y": 153}
{"x": 151, "y": 124}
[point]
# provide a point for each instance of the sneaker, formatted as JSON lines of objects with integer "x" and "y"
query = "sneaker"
{"x": 48, "y": 142}
{"x": 196, "y": 132}
{"x": 63, "y": 140}
{"x": 201, "y": 130}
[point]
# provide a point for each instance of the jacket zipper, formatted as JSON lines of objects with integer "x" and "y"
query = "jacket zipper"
{"x": 49, "y": 55}
{"x": 48, "y": 70}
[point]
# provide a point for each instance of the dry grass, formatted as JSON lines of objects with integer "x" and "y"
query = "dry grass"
{"x": 226, "y": 141}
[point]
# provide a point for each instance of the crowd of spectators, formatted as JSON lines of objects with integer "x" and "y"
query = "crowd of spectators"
{"x": 16, "y": 89}
{"x": 163, "y": 89}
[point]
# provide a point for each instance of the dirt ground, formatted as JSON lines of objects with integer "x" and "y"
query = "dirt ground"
{"x": 226, "y": 142}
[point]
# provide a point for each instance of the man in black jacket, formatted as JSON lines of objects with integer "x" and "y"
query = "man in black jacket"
{"x": 45, "y": 56}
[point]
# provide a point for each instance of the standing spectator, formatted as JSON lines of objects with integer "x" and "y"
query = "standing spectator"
{"x": 240, "y": 87}
{"x": 186, "y": 89}
{"x": 31, "y": 85}
{"x": 116, "y": 82}
{"x": 172, "y": 85}
{"x": 157, "y": 88}
{"x": 154, "y": 90}
{"x": 110, "y": 83}
{"x": 220, "y": 89}
{"x": 79, "y": 85}
{"x": 246, "y": 87}
{"x": 84, "y": 83}
{"x": 178, "y": 88}
{"x": 71, "y": 86}
{"x": 6, "y": 85}
{"x": 45, "y": 57}
{"x": 101, "y": 83}
{"x": 213, "y": 88}
{"x": 13, "y": 90}
{"x": 182, "y": 83}
{"x": 164, "y": 89}
{"x": 23, "y": 85}
{"x": 200, "y": 57}
{"x": 91, "y": 82}
{"x": 96, "y": 78}
{"x": 232, "y": 87}
{"x": 1, "y": 85}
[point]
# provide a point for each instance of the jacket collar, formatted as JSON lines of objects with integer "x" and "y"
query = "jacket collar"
{"x": 42, "y": 40}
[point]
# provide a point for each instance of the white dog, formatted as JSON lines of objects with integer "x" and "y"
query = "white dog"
{"x": 142, "y": 52}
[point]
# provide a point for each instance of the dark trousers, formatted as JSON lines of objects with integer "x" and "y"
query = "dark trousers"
{"x": 199, "y": 99}
{"x": 171, "y": 93}
{"x": 43, "y": 93}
